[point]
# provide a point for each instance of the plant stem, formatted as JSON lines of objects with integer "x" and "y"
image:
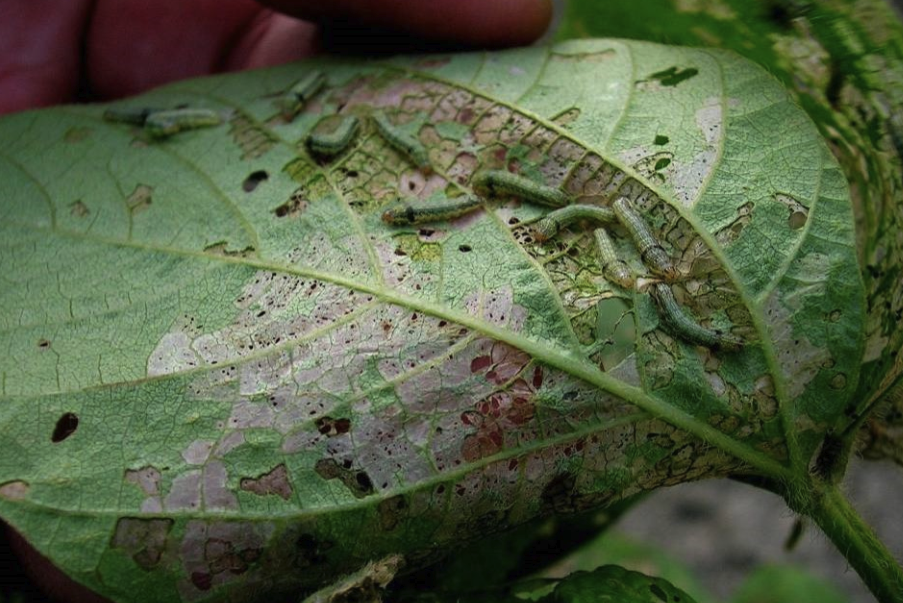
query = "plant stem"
{"x": 858, "y": 543}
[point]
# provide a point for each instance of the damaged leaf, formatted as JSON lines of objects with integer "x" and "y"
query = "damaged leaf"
{"x": 227, "y": 377}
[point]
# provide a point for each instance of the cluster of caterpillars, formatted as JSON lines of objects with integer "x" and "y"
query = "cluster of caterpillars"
{"x": 334, "y": 134}
{"x": 495, "y": 183}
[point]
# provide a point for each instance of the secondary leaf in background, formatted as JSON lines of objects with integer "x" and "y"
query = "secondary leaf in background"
{"x": 616, "y": 584}
{"x": 224, "y": 376}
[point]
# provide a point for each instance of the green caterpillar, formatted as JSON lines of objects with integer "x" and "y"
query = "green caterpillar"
{"x": 330, "y": 144}
{"x": 682, "y": 325}
{"x": 405, "y": 214}
{"x": 291, "y": 103}
{"x": 403, "y": 143}
{"x": 614, "y": 268}
{"x": 129, "y": 115}
{"x": 549, "y": 226}
{"x": 503, "y": 182}
{"x": 651, "y": 251}
{"x": 161, "y": 124}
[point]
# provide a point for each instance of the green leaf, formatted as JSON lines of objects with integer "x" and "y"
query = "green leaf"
{"x": 225, "y": 375}
{"x": 616, "y": 584}
{"x": 614, "y": 548}
{"x": 786, "y": 584}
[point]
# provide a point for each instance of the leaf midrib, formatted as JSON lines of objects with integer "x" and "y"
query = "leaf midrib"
{"x": 562, "y": 359}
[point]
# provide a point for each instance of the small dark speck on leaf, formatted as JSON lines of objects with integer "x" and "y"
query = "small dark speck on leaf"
{"x": 65, "y": 427}
{"x": 465, "y": 248}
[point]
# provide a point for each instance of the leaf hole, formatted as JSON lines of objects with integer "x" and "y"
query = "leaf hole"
{"x": 253, "y": 179}
{"x": 465, "y": 248}
{"x": 65, "y": 427}
{"x": 797, "y": 220}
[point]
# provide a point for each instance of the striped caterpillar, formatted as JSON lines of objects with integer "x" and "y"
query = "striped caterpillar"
{"x": 161, "y": 124}
{"x": 503, "y": 182}
{"x": 291, "y": 103}
{"x": 549, "y": 226}
{"x": 403, "y": 143}
{"x": 135, "y": 116}
{"x": 651, "y": 251}
{"x": 613, "y": 268}
{"x": 405, "y": 214}
{"x": 334, "y": 142}
{"x": 682, "y": 325}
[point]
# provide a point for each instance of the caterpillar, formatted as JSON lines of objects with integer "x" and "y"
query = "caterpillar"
{"x": 332, "y": 143}
{"x": 302, "y": 91}
{"x": 503, "y": 182}
{"x": 129, "y": 115}
{"x": 172, "y": 121}
{"x": 651, "y": 251}
{"x": 681, "y": 324}
{"x": 549, "y": 226}
{"x": 403, "y": 143}
{"x": 405, "y": 214}
{"x": 613, "y": 268}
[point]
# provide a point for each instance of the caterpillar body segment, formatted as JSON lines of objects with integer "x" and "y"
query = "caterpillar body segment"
{"x": 614, "y": 268}
{"x": 404, "y": 143}
{"x": 553, "y": 222}
{"x": 405, "y": 214}
{"x": 161, "y": 124}
{"x": 291, "y": 103}
{"x": 652, "y": 253}
{"x": 682, "y": 325}
{"x": 129, "y": 115}
{"x": 503, "y": 182}
{"x": 330, "y": 144}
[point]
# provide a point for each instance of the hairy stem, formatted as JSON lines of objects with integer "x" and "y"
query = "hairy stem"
{"x": 858, "y": 543}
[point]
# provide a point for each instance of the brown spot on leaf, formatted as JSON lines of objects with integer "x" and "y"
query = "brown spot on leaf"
{"x": 143, "y": 539}
{"x": 537, "y": 377}
{"x": 78, "y": 134}
{"x": 274, "y": 482}
{"x": 390, "y": 512}
{"x": 202, "y": 580}
{"x": 140, "y": 199}
{"x": 224, "y": 556}
{"x": 294, "y": 207}
{"x": 65, "y": 427}
{"x": 146, "y": 478}
{"x": 14, "y": 490}
{"x": 78, "y": 209}
{"x": 43, "y": 344}
{"x": 357, "y": 481}
{"x": 479, "y": 363}
{"x": 559, "y": 493}
{"x": 332, "y": 427}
